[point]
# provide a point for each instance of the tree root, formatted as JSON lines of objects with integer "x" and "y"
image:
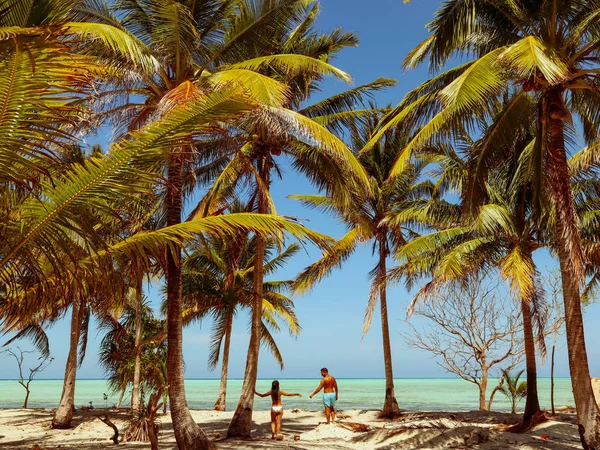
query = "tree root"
{"x": 145, "y": 429}
{"x": 107, "y": 421}
{"x": 391, "y": 415}
{"x": 524, "y": 426}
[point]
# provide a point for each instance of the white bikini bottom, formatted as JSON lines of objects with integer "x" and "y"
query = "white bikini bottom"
{"x": 277, "y": 409}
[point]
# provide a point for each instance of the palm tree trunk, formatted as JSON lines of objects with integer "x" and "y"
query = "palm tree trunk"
{"x": 64, "y": 413}
{"x": 135, "y": 397}
{"x": 493, "y": 394}
{"x": 188, "y": 434}
{"x": 241, "y": 423}
{"x": 121, "y": 397}
{"x": 532, "y": 404}
{"x": 390, "y": 405}
{"x": 220, "y": 404}
{"x": 571, "y": 260}
{"x": 552, "y": 378}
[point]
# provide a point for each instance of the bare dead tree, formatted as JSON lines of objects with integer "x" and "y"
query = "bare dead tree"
{"x": 44, "y": 360}
{"x": 473, "y": 329}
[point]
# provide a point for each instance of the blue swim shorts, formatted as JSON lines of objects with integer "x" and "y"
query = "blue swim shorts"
{"x": 329, "y": 399}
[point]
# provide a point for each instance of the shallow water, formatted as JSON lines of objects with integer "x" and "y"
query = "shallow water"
{"x": 418, "y": 394}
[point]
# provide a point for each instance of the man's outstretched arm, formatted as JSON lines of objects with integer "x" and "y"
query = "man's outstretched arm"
{"x": 318, "y": 389}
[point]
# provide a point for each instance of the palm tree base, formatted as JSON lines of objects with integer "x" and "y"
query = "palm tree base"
{"x": 63, "y": 417}
{"x": 219, "y": 406}
{"x": 61, "y": 426}
{"x": 241, "y": 423}
{"x": 390, "y": 409}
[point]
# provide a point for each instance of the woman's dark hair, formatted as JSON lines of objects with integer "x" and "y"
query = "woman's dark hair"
{"x": 275, "y": 390}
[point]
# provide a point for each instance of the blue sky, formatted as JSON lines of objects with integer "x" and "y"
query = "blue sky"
{"x": 331, "y": 315}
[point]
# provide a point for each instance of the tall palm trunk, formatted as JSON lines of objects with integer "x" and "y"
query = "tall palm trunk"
{"x": 64, "y": 413}
{"x": 188, "y": 434}
{"x": 241, "y": 423}
{"x": 571, "y": 260}
{"x": 532, "y": 404}
{"x": 220, "y": 404}
{"x": 390, "y": 405}
{"x": 135, "y": 396}
{"x": 552, "y": 378}
{"x": 118, "y": 405}
{"x": 232, "y": 266}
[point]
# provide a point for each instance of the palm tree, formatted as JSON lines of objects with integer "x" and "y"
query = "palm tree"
{"x": 543, "y": 52}
{"x": 128, "y": 166}
{"x": 119, "y": 349}
{"x": 499, "y": 236}
{"x": 512, "y": 389}
{"x": 217, "y": 282}
{"x": 253, "y": 158}
{"x": 504, "y": 234}
{"x": 250, "y": 157}
{"x": 381, "y": 215}
{"x": 199, "y": 48}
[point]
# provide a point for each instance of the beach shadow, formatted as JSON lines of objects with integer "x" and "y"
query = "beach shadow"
{"x": 216, "y": 429}
{"x": 46, "y": 437}
{"x": 443, "y": 430}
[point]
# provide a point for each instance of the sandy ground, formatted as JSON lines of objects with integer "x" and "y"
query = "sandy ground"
{"x": 24, "y": 429}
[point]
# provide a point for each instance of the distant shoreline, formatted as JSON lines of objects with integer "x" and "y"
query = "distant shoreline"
{"x": 282, "y": 378}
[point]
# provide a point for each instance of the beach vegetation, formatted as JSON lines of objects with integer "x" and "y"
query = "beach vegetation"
{"x": 455, "y": 189}
{"x": 217, "y": 283}
{"x": 383, "y": 214}
{"x": 545, "y": 53}
{"x": 118, "y": 352}
{"x": 514, "y": 390}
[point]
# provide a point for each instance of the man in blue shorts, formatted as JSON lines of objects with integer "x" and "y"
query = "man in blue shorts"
{"x": 330, "y": 394}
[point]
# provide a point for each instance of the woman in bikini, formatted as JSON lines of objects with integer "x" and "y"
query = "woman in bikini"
{"x": 276, "y": 407}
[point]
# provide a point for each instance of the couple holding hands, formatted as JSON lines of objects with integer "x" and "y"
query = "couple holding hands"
{"x": 330, "y": 395}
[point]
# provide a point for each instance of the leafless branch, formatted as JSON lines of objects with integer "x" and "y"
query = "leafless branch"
{"x": 473, "y": 328}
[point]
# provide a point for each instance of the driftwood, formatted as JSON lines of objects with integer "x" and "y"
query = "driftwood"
{"x": 355, "y": 426}
{"x": 107, "y": 421}
{"x": 145, "y": 429}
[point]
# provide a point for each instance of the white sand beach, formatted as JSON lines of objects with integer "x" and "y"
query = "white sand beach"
{"x": 356, "y": 430}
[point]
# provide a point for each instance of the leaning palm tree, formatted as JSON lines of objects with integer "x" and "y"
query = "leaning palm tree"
{"x": 543, "y": 52}
{"x": 217, "y": 283}
{"x": 381, "y": 214}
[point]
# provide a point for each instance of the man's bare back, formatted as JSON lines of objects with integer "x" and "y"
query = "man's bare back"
{"x": 330, "y": 394}
{"x": 329, "y": 384}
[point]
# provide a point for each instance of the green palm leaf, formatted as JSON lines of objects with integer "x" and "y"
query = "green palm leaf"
{"x": 291, "y": 65}
{"x": 530, "y": 55}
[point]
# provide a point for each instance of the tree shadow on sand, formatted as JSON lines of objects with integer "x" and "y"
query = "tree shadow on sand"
{"x": 36, "y": 425}
{"x": 464, "y": 430}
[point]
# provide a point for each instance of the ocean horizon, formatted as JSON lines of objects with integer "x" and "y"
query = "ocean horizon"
{"x": 429, "y": 394}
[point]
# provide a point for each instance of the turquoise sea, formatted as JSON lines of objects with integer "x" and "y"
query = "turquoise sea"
{"x": 414, "y": 394}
